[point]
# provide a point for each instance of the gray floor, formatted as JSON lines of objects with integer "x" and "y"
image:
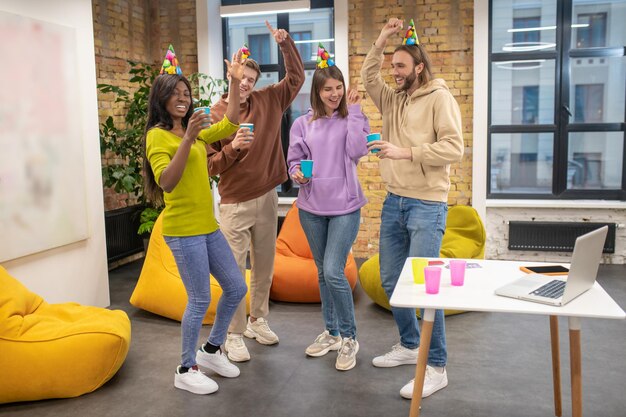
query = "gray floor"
{"x": 499, "y": 365}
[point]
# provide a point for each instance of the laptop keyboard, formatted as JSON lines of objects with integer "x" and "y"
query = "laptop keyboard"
{"x": 553, "y": 289}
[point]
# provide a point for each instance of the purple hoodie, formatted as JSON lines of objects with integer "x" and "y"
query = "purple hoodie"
{"x": 335, "y": 145}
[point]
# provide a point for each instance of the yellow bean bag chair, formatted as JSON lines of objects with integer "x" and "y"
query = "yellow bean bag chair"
{"x": 160, "y": 290}
{"x": 464, "y": 238}
{"x": 295, "y": 273}
{"x": 55, "y": 350}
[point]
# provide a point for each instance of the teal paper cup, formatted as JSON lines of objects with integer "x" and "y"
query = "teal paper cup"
{"x": 248, "y": 125}
{"x": 371, "y": 137}
{"x": 207, "y": 111}
{"x": 306, "y": 166}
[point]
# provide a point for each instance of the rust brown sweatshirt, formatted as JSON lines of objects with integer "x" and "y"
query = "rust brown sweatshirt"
{"x": 249, "y": 174}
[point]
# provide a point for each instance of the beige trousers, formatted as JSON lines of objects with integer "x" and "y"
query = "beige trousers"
{"x": 251, "y": 226}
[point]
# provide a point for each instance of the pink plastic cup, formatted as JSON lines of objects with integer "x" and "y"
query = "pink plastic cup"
{"x": 432, "y": 278}
{"x": 457, "y": 272}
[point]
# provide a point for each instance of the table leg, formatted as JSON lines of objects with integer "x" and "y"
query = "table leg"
{"x": 575, "y": 366}
{"x": 422, "y": 359}
{"x": 556, "y": 364}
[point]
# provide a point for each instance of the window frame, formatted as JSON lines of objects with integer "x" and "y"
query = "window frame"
{"x": 564, "y": 122}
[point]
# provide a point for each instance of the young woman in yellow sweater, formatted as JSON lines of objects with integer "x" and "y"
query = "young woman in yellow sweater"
{"x": 176, "y": 172}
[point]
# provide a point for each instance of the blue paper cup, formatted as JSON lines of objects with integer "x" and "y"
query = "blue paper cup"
{"x": 306, "y": 166}
{"x": 248, "y": 125}
{"x": 371, "y": 137}
{"x": 206, "y": 110}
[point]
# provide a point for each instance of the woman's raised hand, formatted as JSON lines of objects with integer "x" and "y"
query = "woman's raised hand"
{"x": 353, "y": 96}
{"x": 235, "y": 68}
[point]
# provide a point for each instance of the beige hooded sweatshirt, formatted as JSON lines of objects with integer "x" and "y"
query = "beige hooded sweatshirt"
{"x": 428, "y": 121}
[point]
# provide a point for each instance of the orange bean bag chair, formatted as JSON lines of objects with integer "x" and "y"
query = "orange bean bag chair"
{"x": 160, "y": 290}
{"x": 295, "y": 273}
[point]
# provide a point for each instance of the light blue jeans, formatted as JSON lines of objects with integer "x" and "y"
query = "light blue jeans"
{"x": 411, "y": 227}
{"x": 330, "y": 239}
{"x": 196, "y": 257}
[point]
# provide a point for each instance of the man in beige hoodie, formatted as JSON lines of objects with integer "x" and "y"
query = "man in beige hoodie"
{"x": 421, "y": 137}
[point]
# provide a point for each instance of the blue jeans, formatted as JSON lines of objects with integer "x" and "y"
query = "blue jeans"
{"x": 330, "y": 239}
{"x": 412, "y": 227}
{"x": 196, "y": 257}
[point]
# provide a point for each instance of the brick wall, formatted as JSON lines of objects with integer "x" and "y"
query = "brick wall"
{"x": 138, "y": 30}
{"x": 445, "y": 27}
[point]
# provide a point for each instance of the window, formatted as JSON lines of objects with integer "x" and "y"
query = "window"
{"x": 307, "y": 30}
{"x": 589, "y": 101}
{"x": 557, "y": 97}
{"x": 304, "y": 47}
{"x": 526, "y": 104}
{"x": 260, "y": 44}
{"x": 591, "y": 30}
{"x": 526, "y": 23}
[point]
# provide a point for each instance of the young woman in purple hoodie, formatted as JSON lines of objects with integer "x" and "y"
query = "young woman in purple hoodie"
{"x": 333, "y": 135}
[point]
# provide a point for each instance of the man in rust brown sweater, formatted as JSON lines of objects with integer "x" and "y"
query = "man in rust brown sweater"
{"x": 251, "y": 165}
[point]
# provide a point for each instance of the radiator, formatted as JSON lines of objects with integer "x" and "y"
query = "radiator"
{"x": 121, "y": 227}
{"x": 554, "y": 236}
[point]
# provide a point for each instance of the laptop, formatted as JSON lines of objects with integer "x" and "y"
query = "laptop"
{"x": 558, "y": 291}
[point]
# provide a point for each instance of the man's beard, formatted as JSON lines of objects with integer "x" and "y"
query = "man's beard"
{"x": 408, "y": 81}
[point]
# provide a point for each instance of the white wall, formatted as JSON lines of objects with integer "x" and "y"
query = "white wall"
{"x": 76, "y": 272}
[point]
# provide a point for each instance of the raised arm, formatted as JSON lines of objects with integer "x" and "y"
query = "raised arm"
{"x": 287, "y": 89}
{"x": 358, "y": 127}
{"x": 234, "y": 72}
{"x": 373, "y": 81}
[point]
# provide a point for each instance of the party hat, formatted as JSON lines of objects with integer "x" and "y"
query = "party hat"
{"x": 323, "y": 57}
{"x": 170, "y": 63}
{"x": 411, "y": 37}
{"x": 245, "y": 51}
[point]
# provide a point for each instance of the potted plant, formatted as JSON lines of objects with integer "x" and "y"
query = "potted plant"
{"x": 123, "y": 174}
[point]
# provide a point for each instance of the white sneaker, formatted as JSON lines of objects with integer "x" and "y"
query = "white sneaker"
{"x": 217, "y": 362}
{"x": 260, "y": 330}
{"x": 433, "y": 382}
{"x": 236, "y": 348}
{"x": 346, "y": 359}
{"x": 194, "y": 381}
{"x": 323, "y": 344}
{"x": 399, "y": 355}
